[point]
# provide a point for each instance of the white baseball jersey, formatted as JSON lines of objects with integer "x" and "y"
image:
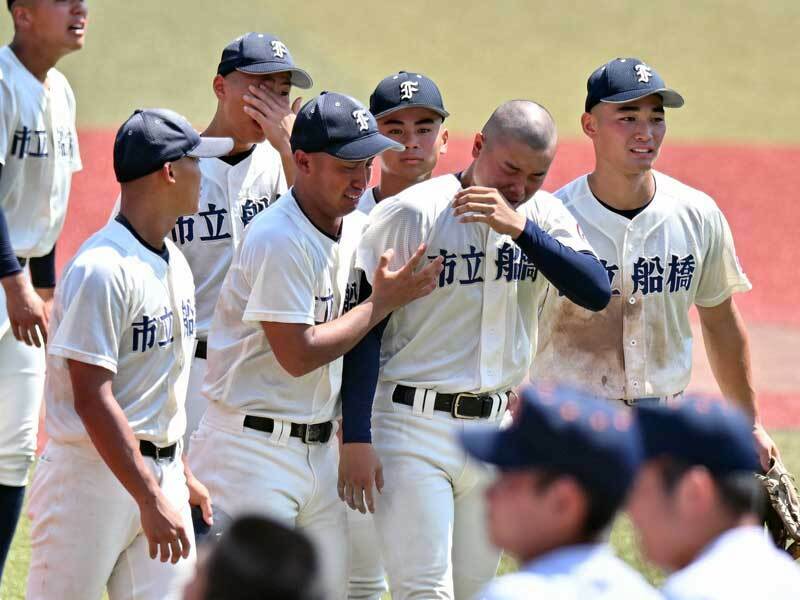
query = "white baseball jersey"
{"x": 367, "y": 201}
{"x": 677, "y": 252}
{"x": 230, "y": 196}
{"x": 476, "y": 331}
{"x": 122, "y": 307}
{"x": 740, "y": 564}
{"x": 286, "y": 270}
{"x": 573, "y": 573}
{"x": 39, "y": 154}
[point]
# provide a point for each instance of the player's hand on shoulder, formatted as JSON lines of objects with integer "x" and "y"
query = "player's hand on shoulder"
{"x": 27, "y": 311}
{"x": 360, "y": 473}
{"x": 274, "y": 113}
{"x": 477, "y": 204}
{"x": 164, "y": 529}
{"x": 393, "y": 289}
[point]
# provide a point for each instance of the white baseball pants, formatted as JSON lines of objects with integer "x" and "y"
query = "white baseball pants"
{"x": 250, "y": 471}
{"x": 86, "y": 531}
{"x": 430, "y": 517}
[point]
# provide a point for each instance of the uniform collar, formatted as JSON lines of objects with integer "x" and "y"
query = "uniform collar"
{"x": 565, "y": 559}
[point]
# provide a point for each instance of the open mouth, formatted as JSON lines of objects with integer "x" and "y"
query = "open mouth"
{"x": 79, "y": 29}
{"x": 642, "y": 151}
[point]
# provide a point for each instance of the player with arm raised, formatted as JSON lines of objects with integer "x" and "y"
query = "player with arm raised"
{"x": 451, "y": 358}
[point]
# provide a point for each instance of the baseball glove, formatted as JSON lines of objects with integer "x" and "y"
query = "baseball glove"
{"x": 783, "y": 512}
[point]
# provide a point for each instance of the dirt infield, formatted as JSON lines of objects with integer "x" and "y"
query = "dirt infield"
{"x": 754, "y": 185}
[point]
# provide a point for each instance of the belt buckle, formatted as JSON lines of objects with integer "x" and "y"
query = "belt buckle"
{"x": 316, "y": 439}
{"x": 159, "y": 457}
{"x": 457, "y": 402}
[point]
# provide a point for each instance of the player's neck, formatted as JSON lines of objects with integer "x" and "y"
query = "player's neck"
{"x": 218, "y": 128}
{"x": 621, "y": 190}
{"x": 392, "y": 184}
{"x": 34, "y": 57}
{"x": 310, "y": 205}
{"x": 147, "y": 216}
{"x": 468, "y": 176}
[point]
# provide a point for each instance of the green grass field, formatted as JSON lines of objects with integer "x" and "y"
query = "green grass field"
{"x": 13, "y": 585}
{"x": 732, "y": 60}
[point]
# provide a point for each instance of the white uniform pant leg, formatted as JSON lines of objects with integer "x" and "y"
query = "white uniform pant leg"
{"x": 86, "y": 531}
{"x": 21, "y": 390}
{"x": 248, "y": 473}
{"x": 475, "y": 559}
{"x": 415, "y": 513}
{"x": 196, "y": 402}
{"x": 367, "y": 579}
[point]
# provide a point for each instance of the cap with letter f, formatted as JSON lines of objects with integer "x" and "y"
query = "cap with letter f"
{"x": 625, "y": 80}
{"x": 340, "y": 126}
{"x": 152, "y": 137}
{"x": 261, "y": 54}
{"x": 406, "y": 90}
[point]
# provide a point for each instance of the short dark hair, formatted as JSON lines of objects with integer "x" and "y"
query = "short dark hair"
{"x": 740, "y": 492}
{"x": 259, "y": 559}
{"x": 602, "y": 506}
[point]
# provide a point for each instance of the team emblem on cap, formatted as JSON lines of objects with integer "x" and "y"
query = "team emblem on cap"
{"x": 279, "y": 49}
{"x": 643, "y": 72}
{"x": 407, "y": 89}
{"x": 362, "y": 118}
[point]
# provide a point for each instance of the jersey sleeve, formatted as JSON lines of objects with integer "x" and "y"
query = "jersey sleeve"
{"x": 77, "y": 164}
{"x": 552, "y": 216}
{"x": 721, "y": 275}
{"x": 94, "y": 300}
{"x": 282, "y": 280}
{"x": 395, "y": 224}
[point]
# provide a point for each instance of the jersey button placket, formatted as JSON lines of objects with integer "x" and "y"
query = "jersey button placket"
{"x": 632, "y": 318}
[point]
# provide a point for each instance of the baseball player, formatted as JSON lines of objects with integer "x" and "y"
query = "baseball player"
{"x": 38, "y": 155}
{"x": 409, "y": 110}
{"x": 252, "y": 85}
{"x": 111, "y": 494}
{"x": 696, "y": 505}
{"x": 452, "y": 357}
{"x": 665, "y": 247}
{"x": 266, "y": 443}
{"x": 565, "y": 467}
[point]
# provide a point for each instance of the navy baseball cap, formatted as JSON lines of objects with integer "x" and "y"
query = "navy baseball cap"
{"x": 699, "y": 430}
{"x": 406, "y": 90}
{"x": 627, "y": 79}
{"x": 340, "y": 126}
{"x": 152, "y": 137}
{"x": 564, "y": 430}
{"x": 261, "y": 54}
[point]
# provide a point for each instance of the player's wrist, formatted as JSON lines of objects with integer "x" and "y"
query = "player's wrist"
{"x": 517, "y": 226}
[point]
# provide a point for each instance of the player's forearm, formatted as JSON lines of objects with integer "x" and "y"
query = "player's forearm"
{"x": 287, "y": 160}
{"x": 113, "y": 437}
{"x": 321, "y": 344}
{"x": 9, "y": 265}
{"x": 728, "y": 349}
{"x": 580, "y": 277}
{"x": 360, "y": 370}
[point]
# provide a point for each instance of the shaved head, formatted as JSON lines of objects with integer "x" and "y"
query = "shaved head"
{"x": 524, "y": 121}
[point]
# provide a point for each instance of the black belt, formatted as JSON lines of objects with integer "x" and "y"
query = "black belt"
{"x": 201, "y": 349}
{"x": 460, "y": 406}
{"x": 153, "y": 451}
{"x": 316, "y": 433}
{"x": 22, "y": 262}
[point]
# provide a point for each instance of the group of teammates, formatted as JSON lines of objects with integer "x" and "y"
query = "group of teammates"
{"x": 316, "y": 303}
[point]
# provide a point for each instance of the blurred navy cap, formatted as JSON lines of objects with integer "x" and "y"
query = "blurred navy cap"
{"x": 152, "y": 137}
{"x": 699, "y": 430}
{"x": 260, "y": 54}
{"x": 627, "y": 79}
{"x": 406, "y": 90}
{"x": 565, "y": 430}
{"x": 340, "y": 126}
